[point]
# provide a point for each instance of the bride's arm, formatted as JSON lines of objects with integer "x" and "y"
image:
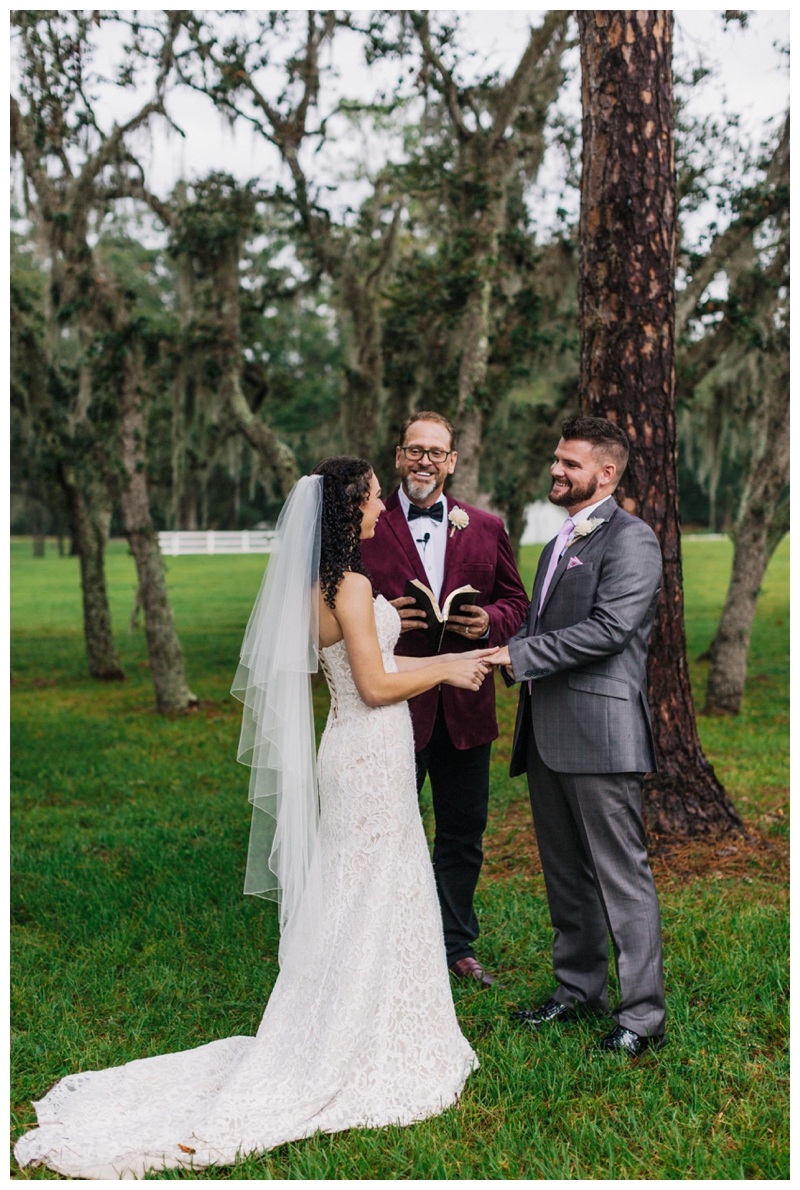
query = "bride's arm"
{"x": 356, "y": 615}
{"x": 407, "y": 663}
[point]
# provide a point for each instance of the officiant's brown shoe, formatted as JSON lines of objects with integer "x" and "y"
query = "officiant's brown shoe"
{"x": 470, "y": 968}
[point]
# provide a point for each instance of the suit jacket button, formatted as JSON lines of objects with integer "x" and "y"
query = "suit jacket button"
{"x": 528, "y": 673}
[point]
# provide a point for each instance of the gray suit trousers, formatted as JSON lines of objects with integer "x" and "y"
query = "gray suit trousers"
{"x": 598, "y": 879}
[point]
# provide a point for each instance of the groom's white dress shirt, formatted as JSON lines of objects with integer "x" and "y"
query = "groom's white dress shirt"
{"x": 586, "y": 514}
{"x": 562, "y": 541}
{"x": 432, "y": 551}
{"x": 567, "y": 529}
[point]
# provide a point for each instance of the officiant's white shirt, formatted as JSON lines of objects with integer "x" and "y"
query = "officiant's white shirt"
{"x": 431, "y": 552}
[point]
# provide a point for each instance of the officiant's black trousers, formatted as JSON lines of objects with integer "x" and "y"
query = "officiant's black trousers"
{"x": 460, "y": 787}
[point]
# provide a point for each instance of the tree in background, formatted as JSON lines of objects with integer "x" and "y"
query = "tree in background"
{"x": 354, "y": 257}
{"x": 245, "y": 365}
{"x": 73, "y": 169}
{"x": 207, "y": 235}
{"x": 498, "y": 133}
{"x": 37, "y": 495}
{"x": 628, "y": 245}
{"x": 735, "y": 368}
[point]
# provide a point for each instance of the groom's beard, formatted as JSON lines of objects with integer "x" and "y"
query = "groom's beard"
{"x": 573, "y": 493}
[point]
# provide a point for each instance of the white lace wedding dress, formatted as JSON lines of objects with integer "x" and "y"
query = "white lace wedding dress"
{"x": 369, "y": 1038}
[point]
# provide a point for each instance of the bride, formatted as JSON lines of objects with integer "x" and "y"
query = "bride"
{"x": 360, "y": 1029}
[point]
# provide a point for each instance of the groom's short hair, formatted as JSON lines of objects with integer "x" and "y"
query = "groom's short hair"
{"x": 608, "y": 439}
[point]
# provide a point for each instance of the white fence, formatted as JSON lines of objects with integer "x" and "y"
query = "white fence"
{"x": 703, "y": 537}
{"x": 543, "y": 522}
{"x": 212, "y": 541}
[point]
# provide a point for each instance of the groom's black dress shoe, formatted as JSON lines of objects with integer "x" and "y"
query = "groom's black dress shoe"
{"x": 552, "y": 1010}
{"x": 624, "y": 1041}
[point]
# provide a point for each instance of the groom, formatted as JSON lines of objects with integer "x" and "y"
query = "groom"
{"x": 583, "y": 737}
{"x": 426, "y": 535}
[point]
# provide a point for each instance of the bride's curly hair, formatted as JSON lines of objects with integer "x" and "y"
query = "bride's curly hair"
{"x": 345, "y": 486}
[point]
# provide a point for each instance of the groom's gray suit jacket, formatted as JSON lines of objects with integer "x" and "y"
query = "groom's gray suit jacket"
{"x": 586, "y": 654}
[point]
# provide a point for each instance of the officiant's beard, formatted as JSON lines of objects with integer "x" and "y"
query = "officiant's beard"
{"x": 574, "y": 494}
{"x": 419, "y": 491}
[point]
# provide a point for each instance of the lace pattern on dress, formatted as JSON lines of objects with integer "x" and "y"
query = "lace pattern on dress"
{"x": 367, "y": 1038}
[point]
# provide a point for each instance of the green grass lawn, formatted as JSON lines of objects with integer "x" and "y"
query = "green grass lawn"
{"x": 131, "y": 935}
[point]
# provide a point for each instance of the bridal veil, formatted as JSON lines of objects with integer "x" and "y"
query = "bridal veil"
{"x": 279, "y": 653}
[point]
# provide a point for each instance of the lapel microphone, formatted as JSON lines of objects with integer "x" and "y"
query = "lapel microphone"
{"x": 423, "y": 541}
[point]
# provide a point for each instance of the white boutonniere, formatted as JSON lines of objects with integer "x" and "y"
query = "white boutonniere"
{"x": 458, "y": 519}
{"x": 584, "y": 528}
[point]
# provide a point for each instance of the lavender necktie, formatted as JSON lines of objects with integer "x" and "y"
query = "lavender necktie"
{"x": 558, "y": 550}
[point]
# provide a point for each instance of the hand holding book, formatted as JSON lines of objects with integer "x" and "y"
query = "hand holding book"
{"x": 473, "y": 621}
{"x": 450, "y": 617}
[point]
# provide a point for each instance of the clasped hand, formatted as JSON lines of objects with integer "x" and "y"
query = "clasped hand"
{"x": 467, "y": 670}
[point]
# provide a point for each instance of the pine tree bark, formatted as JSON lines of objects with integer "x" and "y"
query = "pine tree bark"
{"x": 754, "y": 544}
{"x": 164, "y": 647}
{"x": 89, "y": 538}
{"x": 628, "y": 240}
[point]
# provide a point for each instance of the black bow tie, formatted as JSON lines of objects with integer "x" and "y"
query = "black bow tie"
{"x": 435, "y": 512}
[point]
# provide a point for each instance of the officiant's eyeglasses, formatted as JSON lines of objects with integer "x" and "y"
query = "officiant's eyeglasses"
{"x": 415, "y": 453}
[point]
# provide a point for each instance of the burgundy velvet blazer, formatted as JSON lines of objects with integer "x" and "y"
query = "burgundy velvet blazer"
{"x": 480, "y": 555}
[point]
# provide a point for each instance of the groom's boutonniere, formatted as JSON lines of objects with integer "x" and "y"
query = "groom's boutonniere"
{"x": 458, "y": 519}
{"x": 584, "y": 528}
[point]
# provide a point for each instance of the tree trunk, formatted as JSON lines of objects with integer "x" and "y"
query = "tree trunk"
{"x": 89, "y": 538}
{"x": 362, "y": 387}
{"x": 164, "y": 647}
{"x": 515, "y": 518}
{"x": 37, "y": 520}
{"x": 753, "y": 538}
{"x": 471, "y": 377}
{"x": 474, "y": 332}
{"x": 277, "y": 456}
{"x": 628, "y": 235}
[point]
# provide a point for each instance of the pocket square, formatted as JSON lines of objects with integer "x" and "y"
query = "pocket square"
{"x": 574, "y": 562}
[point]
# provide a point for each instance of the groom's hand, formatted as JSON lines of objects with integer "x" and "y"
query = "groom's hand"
{"x": 501, "y": 658}
{"x": 410, "y": 617}
{"x": 473, "y": 624}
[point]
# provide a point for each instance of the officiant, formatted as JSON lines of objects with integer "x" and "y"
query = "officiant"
{"x": 427, "y": 535}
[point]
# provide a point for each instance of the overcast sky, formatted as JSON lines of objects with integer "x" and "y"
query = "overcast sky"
{"x": 750, "y": 78}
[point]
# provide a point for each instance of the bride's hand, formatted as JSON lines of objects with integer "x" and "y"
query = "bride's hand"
{"x": 467, "y": 671}
{"x": 470, "y": 653}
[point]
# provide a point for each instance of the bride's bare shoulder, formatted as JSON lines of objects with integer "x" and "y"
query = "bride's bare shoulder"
{"x": 354, "y": 596}
{"x": 356, "y": 583}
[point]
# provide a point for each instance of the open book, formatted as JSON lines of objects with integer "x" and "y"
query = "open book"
{"x": 437, "y": 617}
